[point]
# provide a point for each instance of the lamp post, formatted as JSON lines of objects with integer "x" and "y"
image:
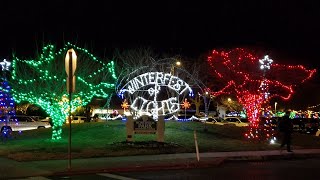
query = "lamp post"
{"x": 206, "y": 104}
{"x": 70, "y": 66}
{"x": 177, "y": 63}
{"x": 205, "y": 97}
{"x": 229, "y": 100}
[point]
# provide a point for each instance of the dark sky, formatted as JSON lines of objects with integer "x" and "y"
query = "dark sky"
{"x": 288, "y": 31}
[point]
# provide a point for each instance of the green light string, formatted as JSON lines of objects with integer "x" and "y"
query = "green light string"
{"x": 42, "y": 81}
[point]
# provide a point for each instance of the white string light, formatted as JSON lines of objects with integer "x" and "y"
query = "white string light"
{"x": 156, "y": 80}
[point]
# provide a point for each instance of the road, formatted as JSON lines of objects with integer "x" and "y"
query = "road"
{"x": 263, "y": 170}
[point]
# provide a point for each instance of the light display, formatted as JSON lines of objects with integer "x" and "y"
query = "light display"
{"x": 150, "y": 86}
{"x": 264, "y": 130}
{"x": 42, "y": 81}
{"x": 185, "y": 105}
{"x": 5, "y": 65}
{"x": 7, "y": 110}
{"x": 265, "y": 62}
{"x": 315, "y": 106}
{"x": 125, "y": 105}
{"x": 238, "y": 73}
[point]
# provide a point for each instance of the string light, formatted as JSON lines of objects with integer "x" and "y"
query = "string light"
{"x": 42, "y": 81}
{"x": 237, "y": 71}
{"x": 145, "y": 89}
{"x": 311, "y": 107}
{"x": 7, "y": 110}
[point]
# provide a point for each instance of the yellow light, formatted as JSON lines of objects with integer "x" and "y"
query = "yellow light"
{"x": 178, "y": 63}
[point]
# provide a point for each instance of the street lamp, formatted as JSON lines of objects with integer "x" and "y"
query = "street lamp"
{"x": 206, "y": 95}
{"x": 70, "y": 65}
{"x": 177, "y": 63}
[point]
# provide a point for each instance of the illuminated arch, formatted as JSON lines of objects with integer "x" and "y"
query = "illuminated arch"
{"x": 143, "y": 88}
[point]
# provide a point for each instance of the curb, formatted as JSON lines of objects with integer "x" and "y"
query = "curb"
{"x": 164, "y": 164}
{"x": 272, "y": 157}
{"x": 212, "y": 162}
{"x": 187, "y": 164}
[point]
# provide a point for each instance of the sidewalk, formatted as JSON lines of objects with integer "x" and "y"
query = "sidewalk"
{"x": 13, "y": 169}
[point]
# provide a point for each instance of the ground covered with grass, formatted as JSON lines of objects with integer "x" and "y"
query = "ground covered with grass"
{"x": 109, "y": 139}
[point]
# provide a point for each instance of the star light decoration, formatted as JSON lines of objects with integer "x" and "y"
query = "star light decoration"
{"x": 185, "y": 105}
{"x": 265, "y": 62}
{"x": 125, "y": 105}
{"x": 238, "y": 73}
{"x": 5, "y": 65}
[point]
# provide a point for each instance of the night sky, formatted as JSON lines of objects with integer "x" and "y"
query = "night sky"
{"x": 288, "y": 31}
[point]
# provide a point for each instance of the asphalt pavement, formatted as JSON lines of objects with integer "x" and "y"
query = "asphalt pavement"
{"x": 14, "y": 169}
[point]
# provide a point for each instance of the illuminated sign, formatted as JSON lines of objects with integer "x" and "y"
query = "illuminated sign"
{"x": 146, "y": 88}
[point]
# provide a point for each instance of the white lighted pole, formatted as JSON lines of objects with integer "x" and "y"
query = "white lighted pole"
{"x": 70, "y": 65}
{"x": 265, "y": 65}
{"x": 275, "y": 108}
{"x": 5, "y": 67}
{"x": 206, "y": 104}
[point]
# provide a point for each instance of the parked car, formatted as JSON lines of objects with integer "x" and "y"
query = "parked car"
{"x": 182, "y": 116}
{"x": 201, "y": 117}
{"x": 76, "y": 119}
{"x": 305, "y": 125}
{"x": 99, "y": 117}
{"x": 219, "y": 121}
{"x": 298, "y": 124}
{"x": 240, "y": 122}
{"x": 211, "y": 120}
{"x": 22, "y": 123}
{"x": 310, "y": 126}
{"x": 48, "y": 120}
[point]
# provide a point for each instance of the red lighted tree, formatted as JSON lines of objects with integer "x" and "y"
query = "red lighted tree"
{"x": 238, "y": 72}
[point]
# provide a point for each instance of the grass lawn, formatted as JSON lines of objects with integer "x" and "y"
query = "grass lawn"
{"x": 108, "y": 139}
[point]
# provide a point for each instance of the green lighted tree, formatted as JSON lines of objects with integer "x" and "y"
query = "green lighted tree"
{"x": 42, "y": 81}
